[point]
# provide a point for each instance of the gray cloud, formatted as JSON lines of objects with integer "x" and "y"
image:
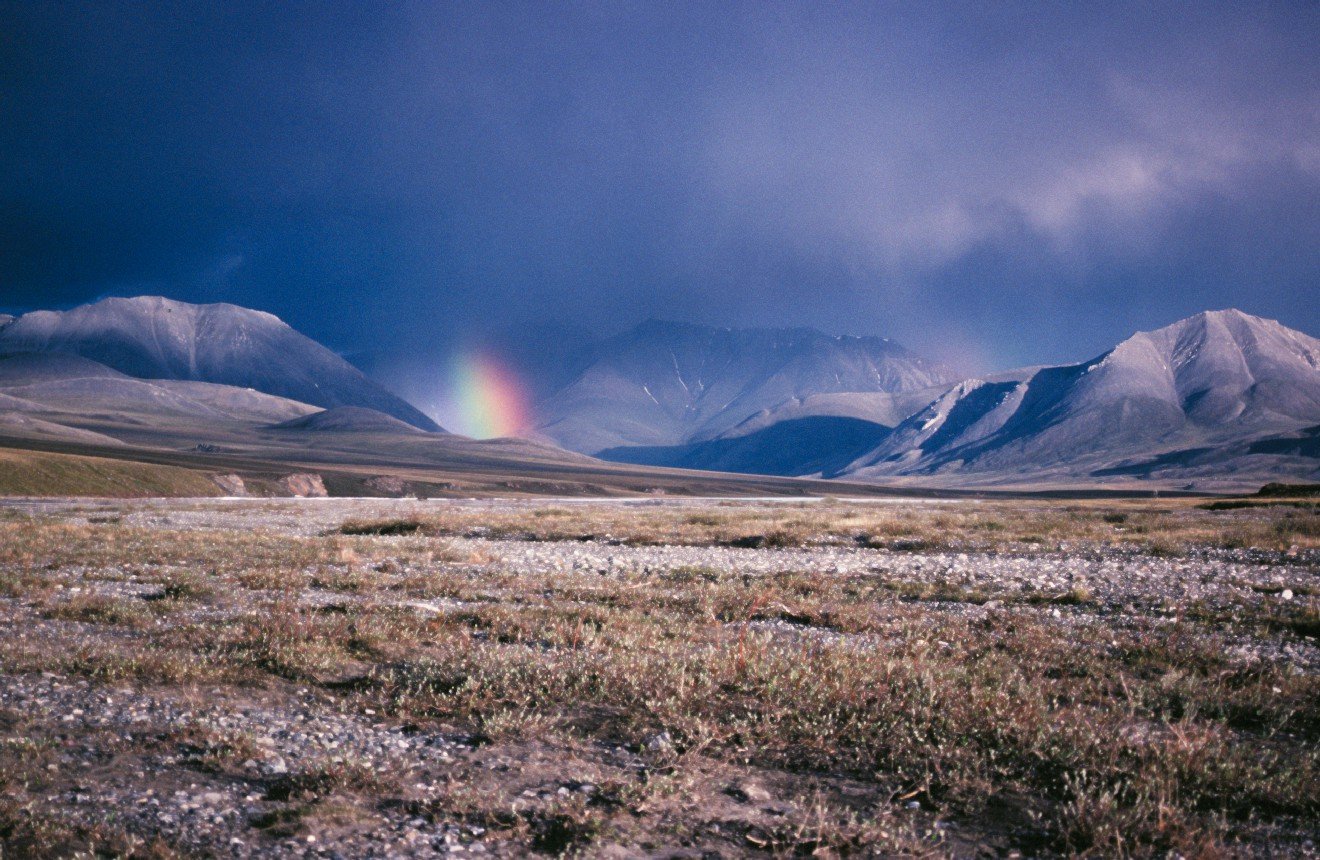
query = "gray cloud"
{"x": 998, "y": 183}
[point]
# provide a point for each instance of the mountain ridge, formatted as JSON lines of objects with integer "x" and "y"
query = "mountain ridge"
{"x": 1220, "y": 393}
{"x": 1220, "y": 397}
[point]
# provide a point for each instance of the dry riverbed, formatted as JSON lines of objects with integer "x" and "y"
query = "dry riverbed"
{"x": 355, "y": 678}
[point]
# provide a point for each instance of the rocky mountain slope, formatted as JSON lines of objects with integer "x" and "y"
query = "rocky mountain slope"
{"x": 668, "y": 383}
{"x": 154, "y": 338}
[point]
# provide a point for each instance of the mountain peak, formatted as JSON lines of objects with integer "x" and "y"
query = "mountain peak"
{"x": 157, "y": 305}
{"x": 154, "y": 337}
{"x": 1223, "y": 313}
{"x": 1224, "y": 320}
{"x": 656, "y": 325}
{"x": 789, "y": 337}
{"x": 1216, "y": 347}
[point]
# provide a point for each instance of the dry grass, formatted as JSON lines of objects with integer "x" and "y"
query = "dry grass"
{"x": 1162, "y": 529}
{"x": 36, "y": 473}
{"x": 28, "y": 830}
{"x": 1033, "y": 710}
{"x": 1120, "y": 735}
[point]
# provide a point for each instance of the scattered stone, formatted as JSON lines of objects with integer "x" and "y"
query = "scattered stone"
{"x": 748, "y": 792}
{"x": 659, "y": 743}
{"x": 304, "y": 485}
{"x": 232, "y": 484}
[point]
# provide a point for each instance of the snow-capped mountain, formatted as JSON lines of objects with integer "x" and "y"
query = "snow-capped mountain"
{"x": 150, "y": 337}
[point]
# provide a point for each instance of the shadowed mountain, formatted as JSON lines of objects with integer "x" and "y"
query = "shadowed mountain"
{"x": 70, "y": 388}
{"x": 348, "y": 419}
{"x": 1304, "y": 443}
{"x": 820, "y": 445}
{"x": 37, "y": 368}
{"x": 665, "y": 383}
{"x": 872, "y": 407}
{"x": 1214, "y": 381}
{"x": 154, "y": 338}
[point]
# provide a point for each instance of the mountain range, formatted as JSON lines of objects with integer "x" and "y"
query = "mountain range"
{"x": 1220, "y": 400}
{"x": 150, "y": 396}
{"x": 1221, "y": 396}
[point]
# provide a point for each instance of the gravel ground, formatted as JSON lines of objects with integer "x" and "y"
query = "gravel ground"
{"x": 212, "y": 771}
{"x": 214, "y": 814}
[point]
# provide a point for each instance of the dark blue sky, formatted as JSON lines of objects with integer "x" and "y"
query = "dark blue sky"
{"x": 994, "y": 183}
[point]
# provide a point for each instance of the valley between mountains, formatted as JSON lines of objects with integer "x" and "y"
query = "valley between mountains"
{"x": 1219, "y": 402}
{"x": 843, "y": 603}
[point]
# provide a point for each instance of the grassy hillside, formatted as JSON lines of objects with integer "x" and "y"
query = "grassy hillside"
{"x": 37, "y": 473}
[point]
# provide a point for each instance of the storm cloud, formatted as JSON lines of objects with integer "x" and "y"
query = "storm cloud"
{"x": 996, "y": 184}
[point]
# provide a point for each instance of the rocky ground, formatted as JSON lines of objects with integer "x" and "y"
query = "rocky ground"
{"x": 399, "y": 678}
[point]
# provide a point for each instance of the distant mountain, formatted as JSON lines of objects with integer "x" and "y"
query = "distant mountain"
{"x": 1216, "y": 401}
{"x": 668, "y": 383}
{"x": 1183, "y": 397}
{"x": 154, "y": 338}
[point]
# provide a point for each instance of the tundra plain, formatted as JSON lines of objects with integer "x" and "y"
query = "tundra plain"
{"x": 659, "y": 678}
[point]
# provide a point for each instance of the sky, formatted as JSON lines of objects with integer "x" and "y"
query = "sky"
{"x": 994, "y": 184}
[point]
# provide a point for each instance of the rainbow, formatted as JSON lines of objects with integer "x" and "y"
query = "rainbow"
{"x": 491, "y": 400}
